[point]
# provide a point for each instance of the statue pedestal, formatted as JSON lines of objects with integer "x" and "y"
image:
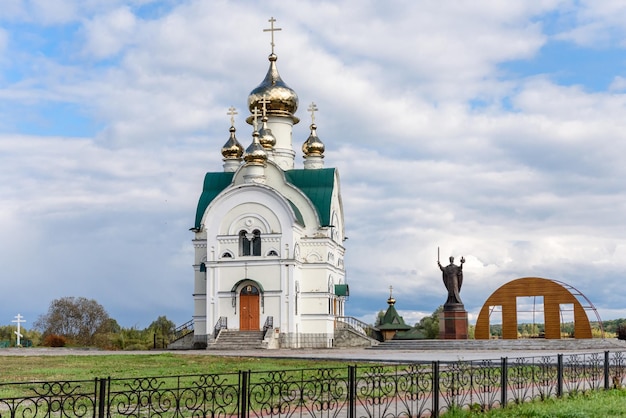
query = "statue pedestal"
{"x": 453, "y": 323}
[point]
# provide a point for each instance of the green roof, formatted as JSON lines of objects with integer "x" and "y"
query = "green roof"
{"x": 392, "y": 320}
{"x": 214, "y": 183}
{"x": 317, "y": 185}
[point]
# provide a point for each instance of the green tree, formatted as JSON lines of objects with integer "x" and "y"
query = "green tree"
{"x": 429, "y": 325}
{"x": 379, "y": 318}
{"x": 78, "y": 319}
{"x": 162, "y": 327}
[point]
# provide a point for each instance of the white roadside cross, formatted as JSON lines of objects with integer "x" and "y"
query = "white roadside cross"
{"x": 19, "y": 319}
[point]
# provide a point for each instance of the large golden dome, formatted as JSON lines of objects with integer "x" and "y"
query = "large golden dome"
{"x": 283, "y": 100}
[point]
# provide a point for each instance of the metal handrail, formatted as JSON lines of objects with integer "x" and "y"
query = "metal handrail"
{"x": 221, "y": 324}
{"x": 359, "y": 326}
{"x": 182, "y": 330}
{"x": 269, "y": 323}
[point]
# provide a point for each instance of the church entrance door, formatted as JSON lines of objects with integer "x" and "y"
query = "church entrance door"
{"x": 249, "y": 309}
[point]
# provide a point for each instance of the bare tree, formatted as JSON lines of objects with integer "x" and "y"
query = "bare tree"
{"x": 78, "y": 319}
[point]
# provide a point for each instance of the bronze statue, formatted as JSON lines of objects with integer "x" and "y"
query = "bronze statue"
{"x": 453, "y": 280}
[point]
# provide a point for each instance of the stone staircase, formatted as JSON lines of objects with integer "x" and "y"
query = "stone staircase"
{"x": 521, "y": 344}
{"x": 237, "y": 340}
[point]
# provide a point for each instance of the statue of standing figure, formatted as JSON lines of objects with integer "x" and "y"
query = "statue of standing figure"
{"x": 453, "y": 280}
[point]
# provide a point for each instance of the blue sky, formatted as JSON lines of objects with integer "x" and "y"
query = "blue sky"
{"x": 490, "y": 129}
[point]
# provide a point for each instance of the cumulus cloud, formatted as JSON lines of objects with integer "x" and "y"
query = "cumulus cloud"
{"x": 528, "y": 183}
{"x": 108, "y": 34}
{"x": 596, "y": 24}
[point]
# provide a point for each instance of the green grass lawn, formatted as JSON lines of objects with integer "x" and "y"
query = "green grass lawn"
{"x": 86, "y": 367}
{"x": 599, "y": 404}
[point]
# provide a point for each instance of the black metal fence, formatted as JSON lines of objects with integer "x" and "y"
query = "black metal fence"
{"x": 387, "y": 390}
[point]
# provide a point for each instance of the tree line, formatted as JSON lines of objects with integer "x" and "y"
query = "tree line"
{"x": 82, "y": 322}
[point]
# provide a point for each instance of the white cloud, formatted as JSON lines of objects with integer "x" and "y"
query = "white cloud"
{"x": 618, "y": 84}
{"x": 4, "y": 40}
{"x": 53, "y": 11}
{"x": 528, "y": 185}
{"x": 11, "y": 9}
{"x": 597, "y": 24}
{"x": 108, "y": 34}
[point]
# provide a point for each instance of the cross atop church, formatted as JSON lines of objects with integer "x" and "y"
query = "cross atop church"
{"x": 312, "y": 108}
{"x": 264, "y": 101}
{"x": 272, "y": 29}
{"x": 232, "y": 112}
{"x": 255, "y": 116}
{"x": 390, "y": 291}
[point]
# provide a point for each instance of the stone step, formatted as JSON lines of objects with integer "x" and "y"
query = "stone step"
{"x": 237, "y": 340}
{"x": 521, "y": 344}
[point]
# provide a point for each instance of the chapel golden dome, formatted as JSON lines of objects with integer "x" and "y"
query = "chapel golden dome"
{"x": 313, "y": 146}
{"x": 255, "y": 153}
{"x": 266, "y": 137}
{"x": 232, "y": 149}
{"x": 283, "y": 100}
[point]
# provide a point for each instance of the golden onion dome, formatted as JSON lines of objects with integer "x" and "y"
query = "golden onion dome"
{"x": 283, "y": 100}
{"x": 255, "y": 153}
{"x": 313, "y": 146}
{"x": 232, "y": 148}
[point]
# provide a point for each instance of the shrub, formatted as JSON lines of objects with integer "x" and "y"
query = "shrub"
{"x": 54, "y": 340}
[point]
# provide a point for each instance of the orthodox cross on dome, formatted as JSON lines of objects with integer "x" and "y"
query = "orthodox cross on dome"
{"x": 232, "y": 112}
{"x": 272, "y": 29}
{"x": 19, "y": 319}
{"x": 255, "y": 116}
{"x": 313, "y": 108}
{"x": 391, "y": 300}
{"x": 264, "y": 101}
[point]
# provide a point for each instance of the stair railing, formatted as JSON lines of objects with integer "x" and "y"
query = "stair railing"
{"x": 182, "y": 330}
{"x": 221, "y": 324}
{"x": 350, "y": 322}
{"x": 268, "y": 326}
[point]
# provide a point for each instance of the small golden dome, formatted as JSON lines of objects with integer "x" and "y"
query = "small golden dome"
{"x": 266, "y": 138}
{"x": 255, "y": 153}
{"x": 283, "y": 101}
{"x": 232, "y": 149}
{"x": 313, "y": 146}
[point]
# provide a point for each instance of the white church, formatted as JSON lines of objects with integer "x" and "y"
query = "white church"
{"x": 269, "y": 254}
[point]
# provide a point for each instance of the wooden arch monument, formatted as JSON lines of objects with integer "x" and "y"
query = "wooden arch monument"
{"x": 554, "y": 294}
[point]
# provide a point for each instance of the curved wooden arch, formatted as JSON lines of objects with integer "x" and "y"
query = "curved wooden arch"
{"x": 553, "y": 294}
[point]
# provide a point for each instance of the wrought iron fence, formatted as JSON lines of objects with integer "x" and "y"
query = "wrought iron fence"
{"x": 389, "y": 390}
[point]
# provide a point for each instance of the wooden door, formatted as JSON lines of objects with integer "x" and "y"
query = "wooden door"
{"x": 249, "y": 319}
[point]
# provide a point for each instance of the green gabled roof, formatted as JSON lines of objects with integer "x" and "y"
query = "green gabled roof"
{"x": 317, "y": 185}
{"x": 392, "y": 320}
{"x": 214, "y": 183}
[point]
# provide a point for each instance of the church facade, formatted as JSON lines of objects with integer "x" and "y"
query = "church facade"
{"x": 269, "y": 236}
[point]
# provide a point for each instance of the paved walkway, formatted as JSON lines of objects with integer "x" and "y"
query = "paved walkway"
{"x": 346, "y": 354}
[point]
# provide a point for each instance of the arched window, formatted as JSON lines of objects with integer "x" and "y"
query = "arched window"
{"x": 272, "y": 253}
{"x": 250, "y": 244}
